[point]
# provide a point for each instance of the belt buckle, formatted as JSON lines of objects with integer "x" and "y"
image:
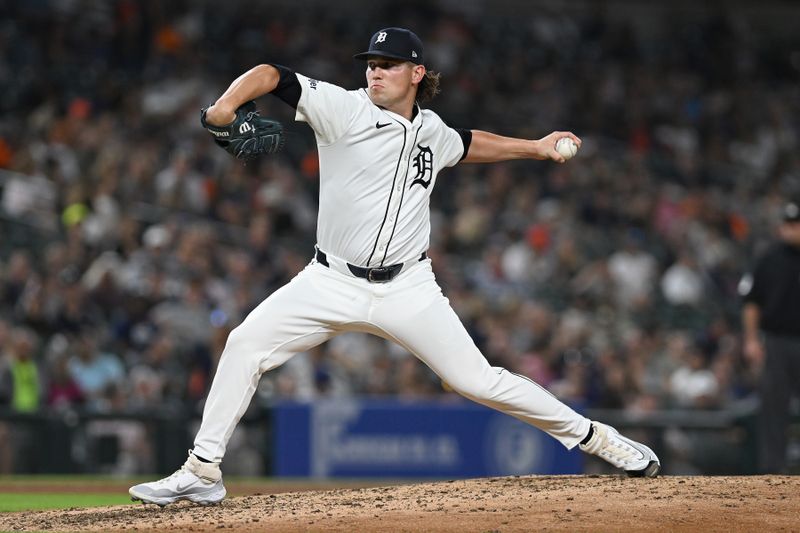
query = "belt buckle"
{"x": 380, "y": 272}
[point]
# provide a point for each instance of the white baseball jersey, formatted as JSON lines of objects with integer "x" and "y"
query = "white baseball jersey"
{"x": 377, "y": 171}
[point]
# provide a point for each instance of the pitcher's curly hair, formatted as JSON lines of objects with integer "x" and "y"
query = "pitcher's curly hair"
{"x": 429, "y": 86}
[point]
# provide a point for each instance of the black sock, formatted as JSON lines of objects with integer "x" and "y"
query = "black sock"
{"x": 588, "y": 437}
{"x": 201, "y": 459}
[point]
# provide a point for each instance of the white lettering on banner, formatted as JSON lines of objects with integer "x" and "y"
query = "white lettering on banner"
{"x": 328, "y": 421}
{"x": 332, "y": 446}
{"x": 395, "y": 450}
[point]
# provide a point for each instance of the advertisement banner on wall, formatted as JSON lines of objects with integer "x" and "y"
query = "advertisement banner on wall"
{"x": 377, "y": 438}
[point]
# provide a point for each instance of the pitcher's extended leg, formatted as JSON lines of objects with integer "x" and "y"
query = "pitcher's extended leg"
{"x": 418, "y": 316}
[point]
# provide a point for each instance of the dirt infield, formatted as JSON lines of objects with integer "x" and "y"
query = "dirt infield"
{"x": 496, "y": 505}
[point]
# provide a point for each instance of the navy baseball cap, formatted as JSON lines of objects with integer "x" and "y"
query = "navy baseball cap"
{"x": 395, "y": 43}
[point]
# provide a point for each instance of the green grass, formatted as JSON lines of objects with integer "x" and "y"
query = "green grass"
{"x": 30, "y": 501}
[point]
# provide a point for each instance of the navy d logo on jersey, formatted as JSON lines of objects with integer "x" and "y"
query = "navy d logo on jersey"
{"x": 423, "y": 162}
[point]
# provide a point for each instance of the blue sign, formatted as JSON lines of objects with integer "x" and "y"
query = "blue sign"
{"x": 379, "y": 438}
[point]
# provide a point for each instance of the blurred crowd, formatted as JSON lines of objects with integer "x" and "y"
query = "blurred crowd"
{"x": 130, "y": 245}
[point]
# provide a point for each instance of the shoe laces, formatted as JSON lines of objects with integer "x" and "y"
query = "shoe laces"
{"x": 175, "y": 474}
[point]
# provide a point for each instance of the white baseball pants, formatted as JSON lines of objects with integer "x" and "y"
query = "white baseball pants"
{"x": 321, "y": 302}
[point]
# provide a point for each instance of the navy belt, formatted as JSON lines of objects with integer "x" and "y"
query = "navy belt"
{"x": 374, "y": 274}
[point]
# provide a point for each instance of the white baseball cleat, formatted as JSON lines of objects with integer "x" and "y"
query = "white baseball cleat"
{"x": 195, "y": 481}
{"x": 636, "y": 459}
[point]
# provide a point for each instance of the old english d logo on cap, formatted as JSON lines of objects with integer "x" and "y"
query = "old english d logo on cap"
{"x": 395, "y": 43}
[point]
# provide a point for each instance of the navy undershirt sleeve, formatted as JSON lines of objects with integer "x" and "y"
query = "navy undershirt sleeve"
{"x": 466, "y": 138}
{"x": 288, "y": 88}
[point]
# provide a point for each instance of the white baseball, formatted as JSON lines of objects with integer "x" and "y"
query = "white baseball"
{"x": 566, "y": 147}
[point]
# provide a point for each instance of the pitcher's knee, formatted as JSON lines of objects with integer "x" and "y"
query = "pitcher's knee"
{"x": 240, "y": 341}
{"x": 264, "y": 349}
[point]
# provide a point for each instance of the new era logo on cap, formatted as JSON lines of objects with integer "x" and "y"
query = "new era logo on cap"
{"x": 395, "y": 43}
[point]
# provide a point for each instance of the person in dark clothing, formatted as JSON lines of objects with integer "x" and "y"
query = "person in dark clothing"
{"x": 771, "y": 323}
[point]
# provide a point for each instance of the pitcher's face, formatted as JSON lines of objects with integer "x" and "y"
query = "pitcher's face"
{"x": 392, "y": 81}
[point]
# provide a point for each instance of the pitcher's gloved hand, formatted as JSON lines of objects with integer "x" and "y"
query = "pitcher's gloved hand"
{"x": 249, "y": 135}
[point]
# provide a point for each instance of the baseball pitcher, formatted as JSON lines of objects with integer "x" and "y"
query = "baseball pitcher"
{"x": 380, "y": 154}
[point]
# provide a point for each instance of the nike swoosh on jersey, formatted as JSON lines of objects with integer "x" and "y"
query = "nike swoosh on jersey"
{"x": 379, "y": 125}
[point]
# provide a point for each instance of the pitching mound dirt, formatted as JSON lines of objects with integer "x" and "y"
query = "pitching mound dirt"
{"x": 497, "y": 505}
